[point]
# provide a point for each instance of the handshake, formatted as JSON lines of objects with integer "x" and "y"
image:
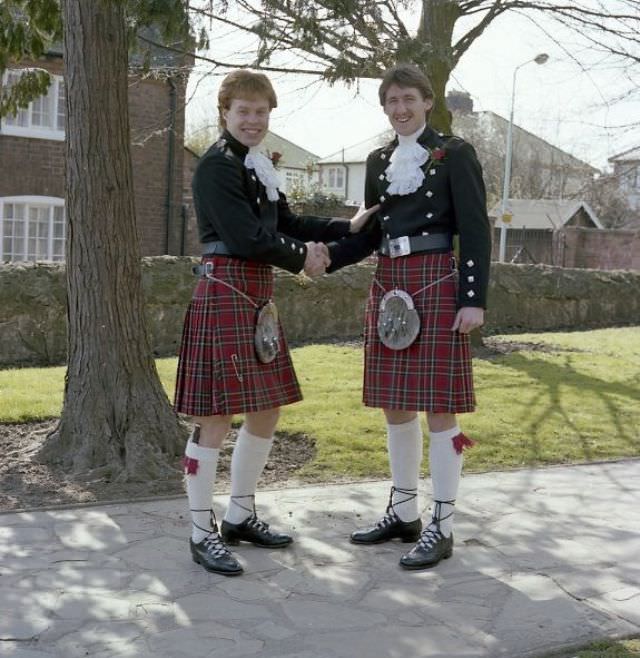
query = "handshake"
{"x": 317, "y": 259}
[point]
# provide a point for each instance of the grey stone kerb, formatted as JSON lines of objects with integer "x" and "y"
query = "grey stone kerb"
{"x": 521, "y": 298}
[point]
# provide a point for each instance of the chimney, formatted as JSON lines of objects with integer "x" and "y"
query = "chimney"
{"x": 460, "y": 102}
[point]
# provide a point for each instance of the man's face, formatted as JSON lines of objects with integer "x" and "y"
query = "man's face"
{"x": 248, "y": 120}
{"x": 406, "y": 109}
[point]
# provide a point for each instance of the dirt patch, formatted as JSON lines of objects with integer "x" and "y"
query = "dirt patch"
{"x": 25, "y": 483}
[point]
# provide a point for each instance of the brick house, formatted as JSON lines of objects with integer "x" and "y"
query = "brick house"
{"x": 32, "y": 151}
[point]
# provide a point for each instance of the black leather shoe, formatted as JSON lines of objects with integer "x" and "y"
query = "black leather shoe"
{"x": 432, "y": 547}
{"x": 214, "y": 556}
{"x": 255, "y": 531}
{"x": 389, "y": 527}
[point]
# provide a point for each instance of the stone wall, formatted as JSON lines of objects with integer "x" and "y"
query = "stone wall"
{"x": 522, "y": 298}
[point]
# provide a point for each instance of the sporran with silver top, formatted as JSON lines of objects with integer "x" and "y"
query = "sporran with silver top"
{"x": 398, "y": 320}
{"x": 267, "y": 334}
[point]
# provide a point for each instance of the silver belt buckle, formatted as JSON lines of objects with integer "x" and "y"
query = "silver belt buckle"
{"x": 399, "y": 247}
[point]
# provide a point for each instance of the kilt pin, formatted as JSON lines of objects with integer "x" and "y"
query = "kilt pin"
{"x": 218, "y": 370}
{"x": 434, "y": 373}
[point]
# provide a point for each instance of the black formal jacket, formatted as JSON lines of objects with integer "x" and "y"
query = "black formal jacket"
{"x": 451, "y": 200}
{"x": 231, "y": 205}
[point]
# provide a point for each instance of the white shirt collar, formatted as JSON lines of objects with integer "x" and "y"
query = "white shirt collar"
{"x": 404, "y": 172}
{"x": 265, "y": 171}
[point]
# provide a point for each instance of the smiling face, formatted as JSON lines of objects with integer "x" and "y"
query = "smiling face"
{"x": 248, "y": 119}
{"x": 406, "y": 108}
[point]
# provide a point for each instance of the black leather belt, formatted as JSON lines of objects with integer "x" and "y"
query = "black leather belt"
{"x": 415, "y": 244}
{"x": 217, "y": 248}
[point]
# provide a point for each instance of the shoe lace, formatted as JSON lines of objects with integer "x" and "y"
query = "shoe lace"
{"x": 254, "y": 522}
{"x": 432, "y": 534}
{"x": 213, "y": 541}
{"x": 215, "y": 546}
{"x": 390, "y": 515}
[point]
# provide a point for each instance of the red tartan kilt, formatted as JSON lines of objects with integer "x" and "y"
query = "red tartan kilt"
{"x": 218, "y": 370}
{"x": 434, "y": 373}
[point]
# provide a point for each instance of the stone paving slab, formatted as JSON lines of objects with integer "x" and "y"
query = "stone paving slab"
{"x": 543, "y": 559}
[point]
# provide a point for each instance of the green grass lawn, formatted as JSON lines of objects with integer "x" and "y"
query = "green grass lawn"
{"x": 561, "y": 398}
{"x": 629, "y": 648}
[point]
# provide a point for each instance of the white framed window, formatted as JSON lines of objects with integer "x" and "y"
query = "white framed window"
{"x": 32, "y": 229}
{"x": 293, "y": 179}
{"x": 44, "y": 118}
{"x": 335, "y": 178}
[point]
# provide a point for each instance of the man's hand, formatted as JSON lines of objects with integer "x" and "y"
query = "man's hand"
{"x": 317, "y": 259}
{"x": 467, "y": 319}
{"x": 361, "y": 217}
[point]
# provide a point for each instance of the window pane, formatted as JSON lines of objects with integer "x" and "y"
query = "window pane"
{"x": 27, "y": 232}
{"x": 58, "y": 250}
{"x": 44, "y": 113}
{"x": 22, "y": 118}
{"x": 39, "y": 113}
{"x": 60, "y": 109}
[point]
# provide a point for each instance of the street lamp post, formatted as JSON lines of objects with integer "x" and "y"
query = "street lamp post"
{"x": 539, "y": 59}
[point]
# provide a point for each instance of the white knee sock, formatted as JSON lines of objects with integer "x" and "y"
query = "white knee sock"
{"x": 404, "y": 443}
{"x": 247, "y": 463}
{"x": 446, "y": 466}
{"x": 200, "y": 476}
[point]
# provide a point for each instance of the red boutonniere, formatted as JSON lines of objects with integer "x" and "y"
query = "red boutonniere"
{"x": 437, "y": 155}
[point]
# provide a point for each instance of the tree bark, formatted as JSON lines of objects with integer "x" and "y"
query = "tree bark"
{"x": 437, "y": 21}
{"x": 116, "y": 416}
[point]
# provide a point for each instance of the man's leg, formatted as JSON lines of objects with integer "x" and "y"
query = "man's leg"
{"x": 201, "y": 462}
{"x": 446, "y": 444}
{"x": 402, "y": 519}
{"x": 250, "y": 455}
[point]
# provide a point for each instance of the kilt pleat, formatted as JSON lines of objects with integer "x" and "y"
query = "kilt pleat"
{"x": 434, "y": 373}
{"x": 218, "y": 370}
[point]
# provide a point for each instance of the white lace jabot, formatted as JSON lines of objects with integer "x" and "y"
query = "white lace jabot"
{"x": 265, "y": 171}
{"x": 404, "y": 173}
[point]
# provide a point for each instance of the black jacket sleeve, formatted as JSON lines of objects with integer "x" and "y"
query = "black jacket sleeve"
{"x": 472, "y": 224}
{"x": 356, "y": 247}
{"x": 219, "y": 195}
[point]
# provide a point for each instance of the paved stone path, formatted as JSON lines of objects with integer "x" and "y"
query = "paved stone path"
{"x": 543, "y": 559}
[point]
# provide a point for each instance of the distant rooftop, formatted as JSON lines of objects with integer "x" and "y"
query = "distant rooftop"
{"x": 293, "y": 156}
{"x": 544, "y": 213}
{"x": 358, "y": 152}
{"x": 630, "y": 155}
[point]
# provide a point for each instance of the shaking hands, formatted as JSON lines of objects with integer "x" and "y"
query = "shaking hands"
{"x": 317, "y": 259}
{"x": 361, "y": 217}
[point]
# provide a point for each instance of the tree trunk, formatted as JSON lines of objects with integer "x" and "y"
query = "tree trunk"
{"x": 436, "y": 31}
{"x": 116, "y": 416}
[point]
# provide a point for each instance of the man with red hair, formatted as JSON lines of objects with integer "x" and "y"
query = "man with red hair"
{"x": 234, "y": 357}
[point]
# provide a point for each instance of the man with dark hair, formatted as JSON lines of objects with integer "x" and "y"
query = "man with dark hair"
{"x": 234, "y": 357}
{"x": 421, "y": 307}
